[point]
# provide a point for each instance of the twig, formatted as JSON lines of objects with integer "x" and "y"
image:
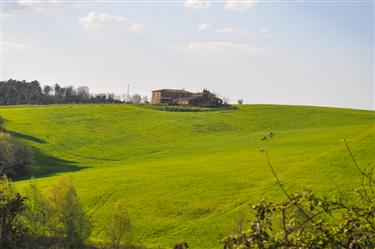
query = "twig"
{"x": 281, "y": 185}
{"x": 370, "y": 180}
{"x": 353, "y": 159}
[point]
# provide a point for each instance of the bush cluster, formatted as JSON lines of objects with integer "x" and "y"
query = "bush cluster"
{"x": 56, "y": 219}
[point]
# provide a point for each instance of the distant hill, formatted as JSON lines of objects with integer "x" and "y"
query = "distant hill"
{"x": 190, "y": 175}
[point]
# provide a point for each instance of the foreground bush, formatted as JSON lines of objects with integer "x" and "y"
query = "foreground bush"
{"x": 55, "y": 219}
{"x": 305, "y": 220}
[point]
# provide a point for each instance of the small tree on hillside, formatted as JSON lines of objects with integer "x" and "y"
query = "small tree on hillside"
{"x": 69, "y": 221}
{"x": 36, "y": 214}
{"x": 119, "y": 226}
{"x": 15, "y": 158}
{"x": 240, "y": 101}
{"x": 226, "y": 100}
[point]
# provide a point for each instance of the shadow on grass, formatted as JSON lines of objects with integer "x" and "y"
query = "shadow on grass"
{"x": 43, "y": 164}
{"x": 46, "y": 165}
{"x": 26, "y": 137}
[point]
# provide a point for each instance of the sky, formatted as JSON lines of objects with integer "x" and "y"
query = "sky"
{"x": 276, "y": 51}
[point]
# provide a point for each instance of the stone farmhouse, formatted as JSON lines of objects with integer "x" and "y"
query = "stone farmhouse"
{"x": 183, "y": 97}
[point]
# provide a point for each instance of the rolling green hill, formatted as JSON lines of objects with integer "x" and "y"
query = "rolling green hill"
{"x": 190, "y": 175}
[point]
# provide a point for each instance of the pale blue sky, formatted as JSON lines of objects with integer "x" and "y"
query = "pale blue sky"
{"x": 307, "y": 53}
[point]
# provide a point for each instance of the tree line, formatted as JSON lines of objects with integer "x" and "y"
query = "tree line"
{"x": 16, "y": 92}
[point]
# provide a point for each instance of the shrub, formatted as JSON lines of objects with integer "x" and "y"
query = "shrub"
{"x": 119, "y": 225}
{"x": 15, "y": 158}
{"x": 305, "y": 220}
{"x": 68, "y": 221}
{"x": 36, "y": 214}
{"x": 1, "y": 124}
{"x": 12, "y": 234}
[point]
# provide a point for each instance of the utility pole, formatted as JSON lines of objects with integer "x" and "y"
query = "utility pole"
{"x": 128, "y": 96}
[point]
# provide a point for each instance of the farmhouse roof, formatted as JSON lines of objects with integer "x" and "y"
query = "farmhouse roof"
{"x": 172, "y": 90}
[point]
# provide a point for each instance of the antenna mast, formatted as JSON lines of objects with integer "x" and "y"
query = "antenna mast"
{"x": 128, "y": 96}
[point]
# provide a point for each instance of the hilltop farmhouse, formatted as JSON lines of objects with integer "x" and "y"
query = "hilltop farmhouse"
{"x": 183, "y": 97}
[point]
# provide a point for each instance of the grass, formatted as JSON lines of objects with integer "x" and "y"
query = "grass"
{"x": 190, "y": 175}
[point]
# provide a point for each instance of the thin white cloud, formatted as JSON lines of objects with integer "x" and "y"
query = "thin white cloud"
{"x": 230, "y": 30}
{"x": 96, "y": 19}
{"x": 221, "y": 47}
{"x": 38, "y": 4}
{"x": 204, "y": 26}
{"x": 12, "y": 46}
{"x": 43, "y": 4}
{"x": 197, "y": 4}
{"x": 239, "y": 5}
{"x": 30, "y": 2}
{"x": 263, "y": 32}
{"x": 136, "y": 27}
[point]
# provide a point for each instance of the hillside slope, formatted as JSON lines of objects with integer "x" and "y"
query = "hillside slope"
{"x": 188, "y": 176}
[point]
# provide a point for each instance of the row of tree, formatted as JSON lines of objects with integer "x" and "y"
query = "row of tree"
{"x": 15, "y": 92}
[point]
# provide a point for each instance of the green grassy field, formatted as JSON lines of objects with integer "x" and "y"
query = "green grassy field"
{"x": 190, "y": 175}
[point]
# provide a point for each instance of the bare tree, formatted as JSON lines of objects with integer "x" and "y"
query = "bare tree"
{"x": 136, "y": 99}
{"x": 83, "y": 93}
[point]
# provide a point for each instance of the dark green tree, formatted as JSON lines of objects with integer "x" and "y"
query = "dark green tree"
{"x": 12, "y": 234}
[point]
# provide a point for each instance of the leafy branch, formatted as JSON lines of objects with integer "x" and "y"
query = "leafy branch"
{"x": 305, "y": 220}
